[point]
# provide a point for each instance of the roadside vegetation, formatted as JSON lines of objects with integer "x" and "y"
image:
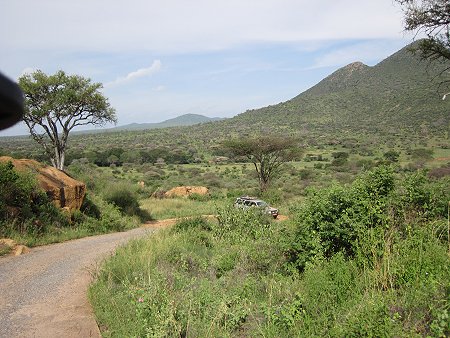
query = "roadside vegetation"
{"x": 28, "y": 216}
{"x": 370, "y": 258}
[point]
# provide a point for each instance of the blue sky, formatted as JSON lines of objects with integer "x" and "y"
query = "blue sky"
{"x": 161, "y": 59}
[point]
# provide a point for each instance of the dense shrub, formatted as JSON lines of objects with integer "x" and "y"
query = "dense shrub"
{"x": 240, "y": 224}
{"x": 126, "y": 200}
{"x": 199, "y": 197}
{"x": 422, "y": 196}
{"x": 17, "y": 190}
{"x": 197, "y": 223}
{"x": 89, "y": 208}
{"x": 340, "y": 158}
{"x": 123, "y": 198}
{"x": 356, "y": 218}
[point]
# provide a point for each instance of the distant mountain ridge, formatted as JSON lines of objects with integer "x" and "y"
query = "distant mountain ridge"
{"x": 401, "y": 95}
{"x": 182, "y": 120}
{"x": 399, "y": 100}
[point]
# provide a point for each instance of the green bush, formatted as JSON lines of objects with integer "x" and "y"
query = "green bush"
{"x": 111, "y": 218}
{"x": 237, "y": 224}
{"x": 198, "y": 223}
{"x": 89, "y": 208}
{"x": 125, "y": 198}
{"x": 355, "y": 218}
{"x": 200, "y": 198}
{"x": 17, "y": 190}
{"x": 424, "y": 197}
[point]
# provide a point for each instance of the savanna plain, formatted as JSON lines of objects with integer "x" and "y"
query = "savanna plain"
{"x": 362, "y": 249}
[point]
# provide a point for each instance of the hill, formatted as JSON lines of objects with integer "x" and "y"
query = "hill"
{"x": 397, "y": 102}
{"x": 183, "y": 120}
{"x": 400, "y": 96}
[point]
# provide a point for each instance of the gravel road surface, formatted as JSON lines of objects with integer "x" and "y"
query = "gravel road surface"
{"x": 44, "y": 293}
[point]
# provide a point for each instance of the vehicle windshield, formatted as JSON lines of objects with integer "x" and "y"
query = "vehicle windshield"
{"x": 261, "y": 204}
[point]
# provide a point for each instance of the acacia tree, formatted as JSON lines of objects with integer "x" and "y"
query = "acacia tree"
{"x": 55, "y": 104}
{"x": 431, "y": 17}
{"x": 267, "y": 153}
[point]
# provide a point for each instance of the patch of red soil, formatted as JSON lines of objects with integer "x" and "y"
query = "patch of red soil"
{"x": 282, "y": 218}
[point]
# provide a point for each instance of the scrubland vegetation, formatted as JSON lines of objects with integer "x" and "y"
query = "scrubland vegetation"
{"x": 365, "y": 259}
{"x": 364, "y": 251}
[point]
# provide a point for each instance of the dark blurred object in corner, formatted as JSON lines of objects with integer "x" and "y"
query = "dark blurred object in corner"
{"x": 11, "y": 103}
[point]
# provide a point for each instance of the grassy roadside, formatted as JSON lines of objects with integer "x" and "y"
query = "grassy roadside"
{"x": 64, "y": 228}
{"x": 182, "y": 207}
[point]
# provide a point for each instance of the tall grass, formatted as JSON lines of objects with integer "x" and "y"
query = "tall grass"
{"x": 181, "y": 207}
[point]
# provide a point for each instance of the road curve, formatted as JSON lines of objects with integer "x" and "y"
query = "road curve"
{"x": 44, "y": 293}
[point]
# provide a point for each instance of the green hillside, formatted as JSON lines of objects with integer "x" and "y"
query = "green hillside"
{"x": 400, "y": 96}
{"x": 396, "y": 103}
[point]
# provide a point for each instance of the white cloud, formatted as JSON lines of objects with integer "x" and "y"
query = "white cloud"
{"x": 179, "y": 26}
{"x": 160, "y": 88}
{"x": 143, "y": 72}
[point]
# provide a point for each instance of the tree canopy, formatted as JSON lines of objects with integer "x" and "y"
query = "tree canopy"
{"x": 431, "y": 17}
{"x": 55, "y": 104}
{"x": 267, "y": 153}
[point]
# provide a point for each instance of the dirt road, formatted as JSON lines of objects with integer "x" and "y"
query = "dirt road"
{"x": 44, "y": 293}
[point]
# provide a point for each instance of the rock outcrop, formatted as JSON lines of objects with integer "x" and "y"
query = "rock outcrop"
{"x": 186, "y": 191}
{"x": 64, "y": 191}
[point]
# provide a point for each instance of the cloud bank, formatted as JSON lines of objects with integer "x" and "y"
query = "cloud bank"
{"x": 180, "y": 26}
{"x": 143, "y": 72}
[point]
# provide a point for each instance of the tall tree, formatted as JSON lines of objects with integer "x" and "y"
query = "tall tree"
{"x": 55, "y": 104}
{"x": 431, "y": 17}
{"x": 267, "y": 153}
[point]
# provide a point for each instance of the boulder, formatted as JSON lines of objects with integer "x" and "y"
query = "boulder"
{"x": 65, "y": 191}
{"x": 13, "y": 248}
{"x": 186, "y": 191}
{"x": 20, "y": 250}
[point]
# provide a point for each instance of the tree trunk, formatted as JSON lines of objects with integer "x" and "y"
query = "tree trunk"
{"x": 263, "y": 186}
{"x": 61, "y": 160}
{"x": 58, "y": 160}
